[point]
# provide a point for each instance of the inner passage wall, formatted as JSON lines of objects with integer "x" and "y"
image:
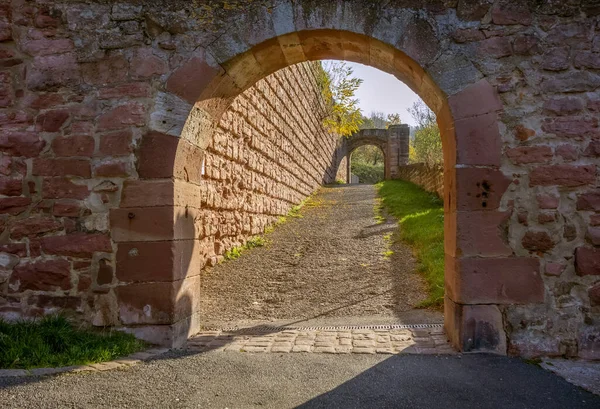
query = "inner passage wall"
{"x": 268, "y": 154}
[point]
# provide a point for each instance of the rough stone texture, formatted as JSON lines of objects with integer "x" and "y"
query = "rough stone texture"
{"x": 165, "y": 73}
{"x": 429, "y": 178}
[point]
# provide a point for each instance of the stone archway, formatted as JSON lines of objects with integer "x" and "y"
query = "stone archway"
{"x": 473, "y": 319}
{"x": 393, "y": 143}
{"x": 515, "y": 203}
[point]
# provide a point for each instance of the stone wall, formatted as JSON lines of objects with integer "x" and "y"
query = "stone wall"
{"x": 268, "y": 154}
{"x": 65, "y": 167}
{"x": 429, "y": 178}
{"x": 94, "y": 94}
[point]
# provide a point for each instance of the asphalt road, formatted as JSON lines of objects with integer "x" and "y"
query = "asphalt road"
{"x": 242, "y": 380}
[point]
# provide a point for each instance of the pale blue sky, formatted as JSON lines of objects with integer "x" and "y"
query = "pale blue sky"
{"x": 383, "y": 92}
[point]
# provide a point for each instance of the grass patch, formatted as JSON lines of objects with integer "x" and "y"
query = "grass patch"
{"x": 420, "y": 215}
{"x": 53, "y": 341}
{"x": 236, "y": 252}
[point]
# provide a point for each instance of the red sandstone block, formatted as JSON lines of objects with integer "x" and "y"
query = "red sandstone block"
{"x": 14, "y": 205}
{"x": 159, "y": 261}
{"x": 61, "y": 167}
{"x": 564, "y": 106}
{"x": 506, "y": 280}
{"x": 66, "y": 208}
{"x": 567, "y": 152}
{"x": 546, "y": 217}
{"x": 53, "y": 71}
{"x": 59, "y": 188}
{"x": 495, "y": 47}
{"x": 475, "y": 327}
{"x": 132, "y": 90}
{"x": 482, "y": 233}
{"x": 33, "y": 227}
{"x": 477, "y": 99}
{"x": 595, "y": 220}
{"x": 122, "y": 116}
{"x": 537, "y": 241}
{"x": 19, "y": 249}
{"x": 593, "y": 235}
{"x": 76, "y": 145}
{"x": 16, "y": 143}
{"x": 593, "y": 149}
{"x": 153, "y": 223}
{"x": 45, "y": 101}
{"x": 530, "y": 154}
{"x": 111, "y": 169}
{"x": 571, "y": 126}
{"x": 147, "y": 193}
{"x": 479, "y": 188}
{"x": 587, "y": 261}
{"x": 562, "y": 175}
{"x": 49, "y": 275}
{"x": 589, "y": 200}
{"x": 116, "y": 143}
{"x": 46, "y": 46}
{"x": 467, "y": 35}
{"x": 80, "y": 245}
{"x": 11, "y": 186}
{"x": 191, "y": 79}
{"x": 478, "y": 140}
{"x": 157, "y": 158}
{"x": 158, "y": 303}
{"x": 556, "y": 59}
{"x": 554, "y": 269}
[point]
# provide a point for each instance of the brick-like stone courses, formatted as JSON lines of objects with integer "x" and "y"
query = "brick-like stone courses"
{"x": 429, "y": 178}
{"x": 334, "y": 341}
{"x": 94, "y": 97}
{"x": 73, "y": 115}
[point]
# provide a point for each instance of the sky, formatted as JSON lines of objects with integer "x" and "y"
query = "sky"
{"x": 383, "y": 92}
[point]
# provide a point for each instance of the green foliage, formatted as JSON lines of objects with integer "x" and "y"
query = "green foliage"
{"x": 426, "y": 145}
{"x": 420, "y": 215}
{"x": 367, "y": 163}
{"x": 236, "y": 252}
{"x": 53, "y": 341}
{"x": 338, "y": 87}
{"x": 367, "y": 172}
{"x": 378, "y": 120}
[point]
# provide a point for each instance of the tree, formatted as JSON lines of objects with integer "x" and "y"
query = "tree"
{"x": 338, "y": 86}
{"x": 378, "y": 120}
{"x": 426, "y": 145}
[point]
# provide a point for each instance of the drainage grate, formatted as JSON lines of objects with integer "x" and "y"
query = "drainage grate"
{"x": 268, "y": 328}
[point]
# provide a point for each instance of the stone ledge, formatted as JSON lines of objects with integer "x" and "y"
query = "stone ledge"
{"x": 126, "y": 361}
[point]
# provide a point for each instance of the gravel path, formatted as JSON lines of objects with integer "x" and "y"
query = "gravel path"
{"x": 328, "y": 263}
{"x": 234, "y": 380}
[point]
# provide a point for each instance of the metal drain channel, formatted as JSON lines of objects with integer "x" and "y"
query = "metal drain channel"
{"x": 267, "y": 328}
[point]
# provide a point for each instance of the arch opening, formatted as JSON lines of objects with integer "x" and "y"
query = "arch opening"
{"x": 206, "y": 87}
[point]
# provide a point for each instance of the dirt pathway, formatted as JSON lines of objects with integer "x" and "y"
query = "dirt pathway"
{"x": 326, "y": 266}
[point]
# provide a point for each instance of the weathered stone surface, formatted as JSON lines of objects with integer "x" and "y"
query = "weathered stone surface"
{"x": 537, "y": 241}
{"x": 33, "y": 227}
{"x": 587, "y": 261}
{"x": 530, "y": 154}
{"x": 77, "y": 244}
{"x": 41, "y": 276}
{"x": 562, "y": 175}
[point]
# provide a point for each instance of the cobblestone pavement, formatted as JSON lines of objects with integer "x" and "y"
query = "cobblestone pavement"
{"x": 340, "y": 340}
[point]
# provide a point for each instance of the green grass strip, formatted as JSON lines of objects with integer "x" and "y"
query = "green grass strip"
{"x": 420, "y": 215}
{"x": 54, "y": 341}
